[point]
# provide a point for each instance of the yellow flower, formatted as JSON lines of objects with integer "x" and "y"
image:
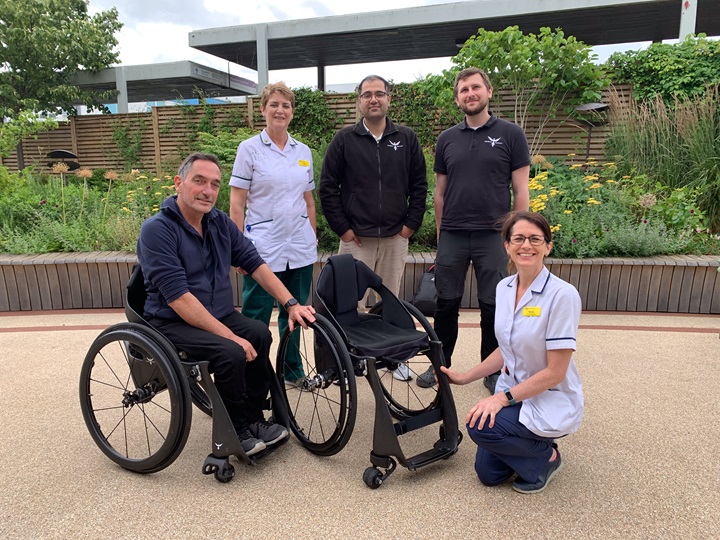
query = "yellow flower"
{"x": 576, "y": 166}
{"x": 567, "y": 212}
{"x": 158, "y": 193}
{"x": 142, "y": 177}
{"x": 595, "y": 186}
{"x": 625, "y": 177}
{"x": 126, "y": 209}
{"x": 593, "y": 201}
{"x": 609, "y": 164}
{"x": 571, "y": 155}
{"x": 556, "y": 228}
{"x": 611, "y": 181}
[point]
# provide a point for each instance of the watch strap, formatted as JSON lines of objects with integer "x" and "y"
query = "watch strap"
{"x": 510, "y": 397}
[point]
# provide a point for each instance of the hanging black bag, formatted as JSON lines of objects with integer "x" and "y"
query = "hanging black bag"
{"x": 425, "y": 297}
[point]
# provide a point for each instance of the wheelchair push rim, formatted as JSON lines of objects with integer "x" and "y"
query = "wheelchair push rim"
{"x": 322, "y": 407}
{"x": 135, "y": 399}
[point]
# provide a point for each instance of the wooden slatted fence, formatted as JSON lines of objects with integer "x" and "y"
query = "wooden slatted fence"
{"x": 167, "y": 133}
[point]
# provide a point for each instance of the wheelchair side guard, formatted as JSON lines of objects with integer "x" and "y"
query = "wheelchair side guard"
{"x": 386, "y": 432}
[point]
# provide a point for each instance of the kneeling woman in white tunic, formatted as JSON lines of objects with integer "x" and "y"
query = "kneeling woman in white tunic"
{"x": 539, "y": 394}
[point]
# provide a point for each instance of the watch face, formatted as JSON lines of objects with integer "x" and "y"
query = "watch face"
{"x": 291, "y": 302}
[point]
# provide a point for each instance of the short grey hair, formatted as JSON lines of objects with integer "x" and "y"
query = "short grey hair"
{"x": 186, "y": 165}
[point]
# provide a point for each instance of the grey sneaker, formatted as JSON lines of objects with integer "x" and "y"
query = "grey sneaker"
{"x": 402, "y": 373}
{"x": 427, "y": 379}
{"x": 249, "y": 443}
{"x": 269, "y": 433}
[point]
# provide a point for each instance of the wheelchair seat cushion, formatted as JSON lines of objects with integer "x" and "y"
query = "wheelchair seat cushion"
{"x": 377, "y": 338}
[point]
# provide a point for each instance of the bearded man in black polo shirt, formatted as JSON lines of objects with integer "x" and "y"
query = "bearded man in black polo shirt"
{"x": 478, "y": 162}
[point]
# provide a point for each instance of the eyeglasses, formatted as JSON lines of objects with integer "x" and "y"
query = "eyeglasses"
{"x": 535, "y": 240}
{"x": 367, "y": 96}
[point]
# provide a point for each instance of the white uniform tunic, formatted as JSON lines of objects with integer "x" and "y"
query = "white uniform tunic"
{"x": 276, "y": 180}
{"x": 546, "y": 318}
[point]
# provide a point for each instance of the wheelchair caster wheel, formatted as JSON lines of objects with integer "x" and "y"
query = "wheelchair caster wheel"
{"x": 225, "y": 474}
{"x": 373, "y": 478}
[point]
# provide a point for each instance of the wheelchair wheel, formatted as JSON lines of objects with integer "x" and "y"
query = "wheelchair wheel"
{"x": 321, "y": 407}
{"x": 405, "y": 398}
{"x": 135, "y": 399}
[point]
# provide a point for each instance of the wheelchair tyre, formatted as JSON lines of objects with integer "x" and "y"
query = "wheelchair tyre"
{"x": 405, "y": 398}
{"x": 373, "y": 478}
{"x": 321, "y": 410}
{"x": 135, "y": 399}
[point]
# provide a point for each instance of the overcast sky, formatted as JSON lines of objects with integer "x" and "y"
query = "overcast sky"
{"x": 157, "y": 31}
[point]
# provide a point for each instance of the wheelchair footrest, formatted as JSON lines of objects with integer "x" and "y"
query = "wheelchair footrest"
{"x": 442, "y": 450}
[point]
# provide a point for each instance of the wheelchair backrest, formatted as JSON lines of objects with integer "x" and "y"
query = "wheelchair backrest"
{"x": 135, "y": 296}
{"x": 343, "y": 283}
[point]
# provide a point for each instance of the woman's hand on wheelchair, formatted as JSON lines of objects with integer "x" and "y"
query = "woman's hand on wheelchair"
{"x": 302, "y": 315}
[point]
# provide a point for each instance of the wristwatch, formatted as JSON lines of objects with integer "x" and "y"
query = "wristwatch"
{"x": 510, "y": 397}
{"x": 290, "y": 303}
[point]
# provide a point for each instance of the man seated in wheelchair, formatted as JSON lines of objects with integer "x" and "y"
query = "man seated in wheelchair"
{"x": 186, "y": 252}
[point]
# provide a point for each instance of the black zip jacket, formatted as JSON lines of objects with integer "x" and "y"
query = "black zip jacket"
{"x": 373, "y": 188}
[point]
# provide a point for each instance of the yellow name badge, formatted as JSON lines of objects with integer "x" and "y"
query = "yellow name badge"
{"x": 303, "y": 163}
{"x": 531, "y": 311}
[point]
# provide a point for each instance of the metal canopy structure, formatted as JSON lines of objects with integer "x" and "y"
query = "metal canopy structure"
{"x": 439, "y": 30}
{"x": 171, "y": 80}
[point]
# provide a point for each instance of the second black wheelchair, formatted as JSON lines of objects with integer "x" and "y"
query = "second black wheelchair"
{"x": 345, "y": 343}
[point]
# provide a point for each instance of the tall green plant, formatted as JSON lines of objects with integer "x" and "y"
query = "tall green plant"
{"x": 313, "y": 120}
{"x": 675, "y": 144}
{"x": 547, "y": 74}
{"x": 670, "y": 71}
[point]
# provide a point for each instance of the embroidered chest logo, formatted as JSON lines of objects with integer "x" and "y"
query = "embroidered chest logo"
{"x": 395, "y": 145}
{"x": 492, "y": 142}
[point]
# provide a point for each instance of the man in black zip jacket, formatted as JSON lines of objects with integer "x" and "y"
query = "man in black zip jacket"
{"x": 373, "y": 185}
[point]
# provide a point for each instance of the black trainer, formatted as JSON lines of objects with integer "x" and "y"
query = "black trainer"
{"x": 269, "y": 433}
{"x": 550, "y": 470}
{"x": 250, "y": 444}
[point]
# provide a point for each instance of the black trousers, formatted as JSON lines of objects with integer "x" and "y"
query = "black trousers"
{"x": 456, "y": 250}
{"x": 243, "y": 386}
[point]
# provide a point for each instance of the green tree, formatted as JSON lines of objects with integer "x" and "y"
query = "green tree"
{"x": 671, "y": 71}
{"x": 546, "y": 74}
{"x": 42, "y": 44}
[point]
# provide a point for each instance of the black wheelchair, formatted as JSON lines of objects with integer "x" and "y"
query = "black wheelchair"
{"x": 137, "y": 389}
{"x": 345, "y": 343}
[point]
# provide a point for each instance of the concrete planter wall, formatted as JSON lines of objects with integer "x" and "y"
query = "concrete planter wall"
{"x": 672, "y": 284}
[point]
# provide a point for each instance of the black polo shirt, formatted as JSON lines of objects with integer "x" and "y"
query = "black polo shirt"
{"x": 479, "y": 165}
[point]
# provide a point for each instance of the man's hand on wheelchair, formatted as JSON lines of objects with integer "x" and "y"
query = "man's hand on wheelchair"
{"x": 299, "y": 314}
{"x": 250, "y": 353}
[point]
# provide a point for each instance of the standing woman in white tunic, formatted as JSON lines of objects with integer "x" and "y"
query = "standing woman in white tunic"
{"x": 538, "y": 394}
{"x": 273, "y": 179}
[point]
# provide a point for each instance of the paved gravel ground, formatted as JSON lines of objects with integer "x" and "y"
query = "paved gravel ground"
{"x": 645, "y": 464}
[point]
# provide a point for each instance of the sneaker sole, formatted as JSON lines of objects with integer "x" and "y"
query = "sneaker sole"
{"x": 531, "y": 491}
{"x": 277, "y": 439}
{"x": 259, "y": 447}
